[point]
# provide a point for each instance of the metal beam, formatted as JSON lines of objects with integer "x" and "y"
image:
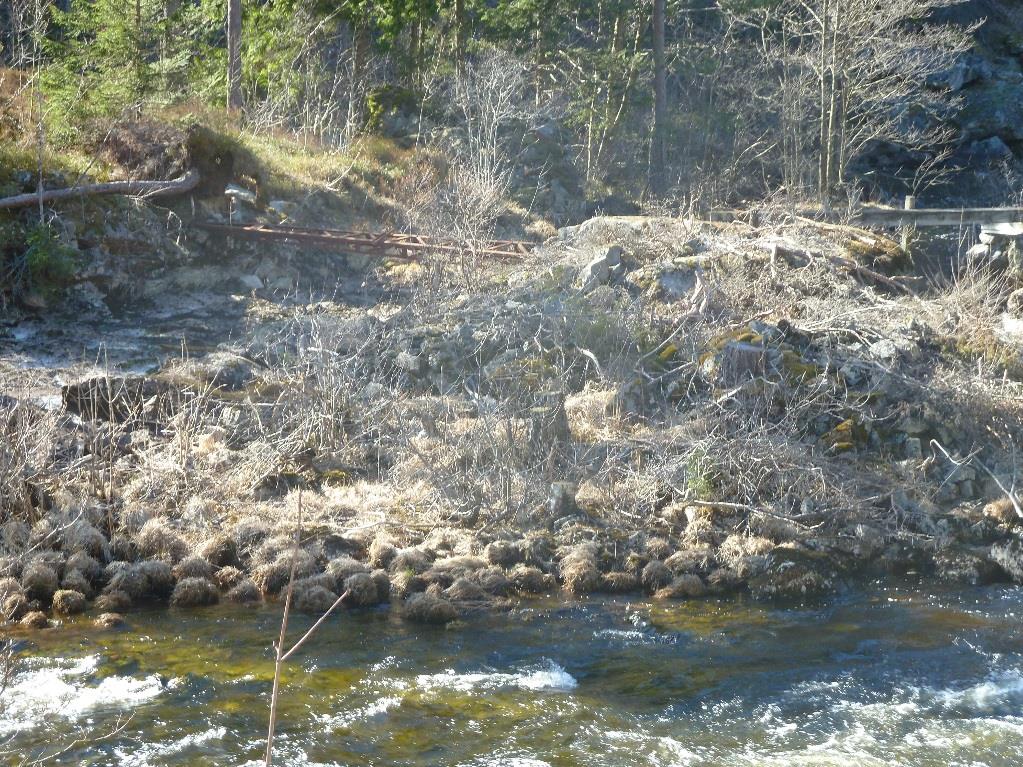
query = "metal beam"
{"x": 382, "y": 244}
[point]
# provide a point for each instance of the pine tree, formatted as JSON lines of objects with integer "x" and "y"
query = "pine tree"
{"x": 105, "y": 58}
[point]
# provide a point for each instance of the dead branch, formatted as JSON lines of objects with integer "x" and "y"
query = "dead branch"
{"x": 799, "y": 256}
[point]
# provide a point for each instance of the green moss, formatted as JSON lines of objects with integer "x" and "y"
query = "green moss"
{"x": 336, "y": 477}
{"x": 846, "y": 436}
{"x": 532, "y": 373}
{"x": 796, "y": 368}
{"x": 883, "y": 254}
{"x": 988, "y": 349}
{"x": 668, "y": 353}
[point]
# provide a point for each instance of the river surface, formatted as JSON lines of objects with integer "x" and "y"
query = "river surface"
{"x": 899, "y": 677}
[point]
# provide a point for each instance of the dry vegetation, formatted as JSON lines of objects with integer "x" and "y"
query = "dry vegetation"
{"x": 654, "y": 404}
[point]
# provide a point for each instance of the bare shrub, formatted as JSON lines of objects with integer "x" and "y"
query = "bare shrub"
{"x": 968, "y": 305}
{"x": 488, "y": 99}
{"x": 28, "y": 438}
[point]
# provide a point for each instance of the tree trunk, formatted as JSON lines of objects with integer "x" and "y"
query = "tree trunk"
{"x": 185, "y": 183}
{"x": 822, "y": 112}
{"x": 362, "y": 48}
{"x": 414, "y": 53}
{"x": 234, "y": 54}
{"x": 459, "y": 34}
{"x": 833, "y": 147}
{"x": 659, "y": 154}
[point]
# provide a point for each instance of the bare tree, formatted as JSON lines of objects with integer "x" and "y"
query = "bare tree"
{"x": 855, "y": 71}
{"x": 490, "y": 104}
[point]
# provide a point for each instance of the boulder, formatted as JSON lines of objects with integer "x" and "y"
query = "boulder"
{"x": 1009, "y": 557}
{"x": 970, "y": 566}
{"x": 250, "y": 282}
{"x": 224, "y": 370}
{"x": 794, "y": 574}
{"x": 1014, "y": 304}
{"x": 602, "y": 269}
{"x": 120, "y": 399}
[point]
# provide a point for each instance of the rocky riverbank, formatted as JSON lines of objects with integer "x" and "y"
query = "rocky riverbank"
{"x": 657, "y": 406}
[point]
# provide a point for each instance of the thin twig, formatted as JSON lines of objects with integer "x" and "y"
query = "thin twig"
{"x": 315, "y": 626}
{"x": 280, "y": 643}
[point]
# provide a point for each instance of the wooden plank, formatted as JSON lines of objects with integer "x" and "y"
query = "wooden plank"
{"x": 927, "y": 217}
{"x": 884, "y": 217}
{"x": 1004, "y": 230}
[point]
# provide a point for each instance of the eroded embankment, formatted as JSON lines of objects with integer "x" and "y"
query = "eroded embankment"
{"x": 649, "y": 406}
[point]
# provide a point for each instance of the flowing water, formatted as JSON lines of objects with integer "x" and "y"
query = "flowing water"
{"x": 899, "y": 677}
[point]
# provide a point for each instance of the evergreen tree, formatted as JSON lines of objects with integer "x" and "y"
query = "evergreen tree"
{"x": 104, "y": 60}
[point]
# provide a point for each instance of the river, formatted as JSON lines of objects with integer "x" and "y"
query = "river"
{"x": 902, "y": 676}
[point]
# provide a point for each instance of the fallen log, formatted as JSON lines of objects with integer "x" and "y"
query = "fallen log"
{"x": 134, "y": 188}
{"x": 796, "y": 256}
